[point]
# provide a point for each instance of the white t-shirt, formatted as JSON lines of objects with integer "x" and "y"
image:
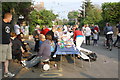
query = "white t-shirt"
{"x": 66, "y": 36}
{"x": 58, "y": 34}
{"x": 17, "y": 29}
{"x": 87, "y": 31}
{"x": 95, "y": 35}
{"x": 65, "y": 29}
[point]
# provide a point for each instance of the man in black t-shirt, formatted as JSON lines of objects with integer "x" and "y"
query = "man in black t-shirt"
{"x": 6, "y": 44}
{"x": 51, "y": 32}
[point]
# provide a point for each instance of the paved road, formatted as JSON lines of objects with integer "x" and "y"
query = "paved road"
{"x": 106, "y": 66}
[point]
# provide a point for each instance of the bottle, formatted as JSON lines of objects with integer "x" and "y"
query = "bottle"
{"x": 62, "y": 46}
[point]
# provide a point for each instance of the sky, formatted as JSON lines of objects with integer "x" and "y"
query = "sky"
{"x": 62, "y": 7}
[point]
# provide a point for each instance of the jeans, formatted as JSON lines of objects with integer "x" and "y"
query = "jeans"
{"x": 109, "y": 37}
{"x": 87, "y": 40}
{"x": 33, "y": 61}
{"x": 36, "y": 46}
{"x": 95, "y": 42}
{"x": 118, "y": 38}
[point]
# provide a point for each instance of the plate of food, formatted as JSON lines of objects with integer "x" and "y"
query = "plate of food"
{"x": 68, "y": 46}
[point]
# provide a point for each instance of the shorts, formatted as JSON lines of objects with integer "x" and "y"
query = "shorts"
{"x": 5, "y": 52}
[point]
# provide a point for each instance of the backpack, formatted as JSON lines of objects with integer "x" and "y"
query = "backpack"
{"x": 92, "y": 56}
{"x": 109, "y": 28}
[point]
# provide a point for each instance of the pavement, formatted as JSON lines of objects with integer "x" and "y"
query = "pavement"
{"x": 106, "y": 65}
{"x": 0, "y": 71}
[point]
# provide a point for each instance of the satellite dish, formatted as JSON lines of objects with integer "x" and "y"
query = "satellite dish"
{"x": 46, "y": 67}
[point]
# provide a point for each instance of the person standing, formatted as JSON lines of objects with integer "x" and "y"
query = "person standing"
{"x": 78, "y": 38}
{"x": 95, "y": 35}
{"x": 59, "y": 33}
{"x": 17, "y": 28}
{"x": 84, "y": 30}
{"x": 36, "y": 38}
{"x": 92, "y": 31}
{"x": 65, "y": 28}
{"x": 95, "y": 38}
{"x": 45, "y": 30}
{"x": 108, "y": 29}
{"x": 87, "y": 34}
{"x": 97, "y": 27}
{"x": 6, "y": 44}
{"x": 118, "y": 35}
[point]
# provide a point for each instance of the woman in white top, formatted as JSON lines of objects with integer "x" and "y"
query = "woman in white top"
{"x": 17, "y": 28}
{"x": 59, "y": 33}
{"x": 87, "y": 33}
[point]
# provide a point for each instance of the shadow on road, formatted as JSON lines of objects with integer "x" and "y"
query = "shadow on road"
{"x": 86, "y": 75}
{"x": 69, "y": 59}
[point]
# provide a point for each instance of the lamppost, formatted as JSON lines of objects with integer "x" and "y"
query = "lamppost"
{"x": 83, "y": 8}
{"x": 58, "y": 18}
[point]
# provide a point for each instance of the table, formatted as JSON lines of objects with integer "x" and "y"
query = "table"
{"x": 65, "y": 50}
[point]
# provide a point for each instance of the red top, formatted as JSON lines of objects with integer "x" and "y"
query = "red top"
{"x": 44, "y": 31}
{"x": 96, "y": 28}
{"x": 76, "y": 33}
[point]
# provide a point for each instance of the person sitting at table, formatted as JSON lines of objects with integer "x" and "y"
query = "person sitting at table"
{"x": 52, "y": 33}
{"x": 20, "y": 37}
{"x": 59, "y": 33}
{"x": 41, "y": 39}
{"x": 66, "y": 36}
{"x": 43, "y": 54}
{"x": 52, "y": 44}
{"x": 17, "y": 48}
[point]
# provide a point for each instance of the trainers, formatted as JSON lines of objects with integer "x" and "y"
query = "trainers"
{"x": 9, "y": 74}
{"x": 24, "y": 63}
{"x": 107, "y": 47}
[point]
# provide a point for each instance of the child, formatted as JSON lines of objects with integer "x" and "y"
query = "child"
{"x": 95, "y": 37}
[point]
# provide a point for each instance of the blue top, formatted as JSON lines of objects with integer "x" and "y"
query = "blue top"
{"x": 40, "y": 42}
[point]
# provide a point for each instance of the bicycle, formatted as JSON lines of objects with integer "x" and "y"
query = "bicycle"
{"x": 109, "y": 42}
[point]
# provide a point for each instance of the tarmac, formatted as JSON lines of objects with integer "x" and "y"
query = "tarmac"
{"x": 106, "y": 65}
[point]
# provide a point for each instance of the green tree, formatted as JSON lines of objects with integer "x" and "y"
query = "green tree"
{"x": 42, "y": 17}
{"x": 94, "y": 16}
{"x": 17, "y": 9}
{"x": 73, "y": 14}
{"x": 111, "y": 12}
{"x": 89, "y": 13}
{"x": 65, "y": 21}
{"x": 88, "y": 7}
{"x": 73, "y": 17}
{"x": 47, "y": 16}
